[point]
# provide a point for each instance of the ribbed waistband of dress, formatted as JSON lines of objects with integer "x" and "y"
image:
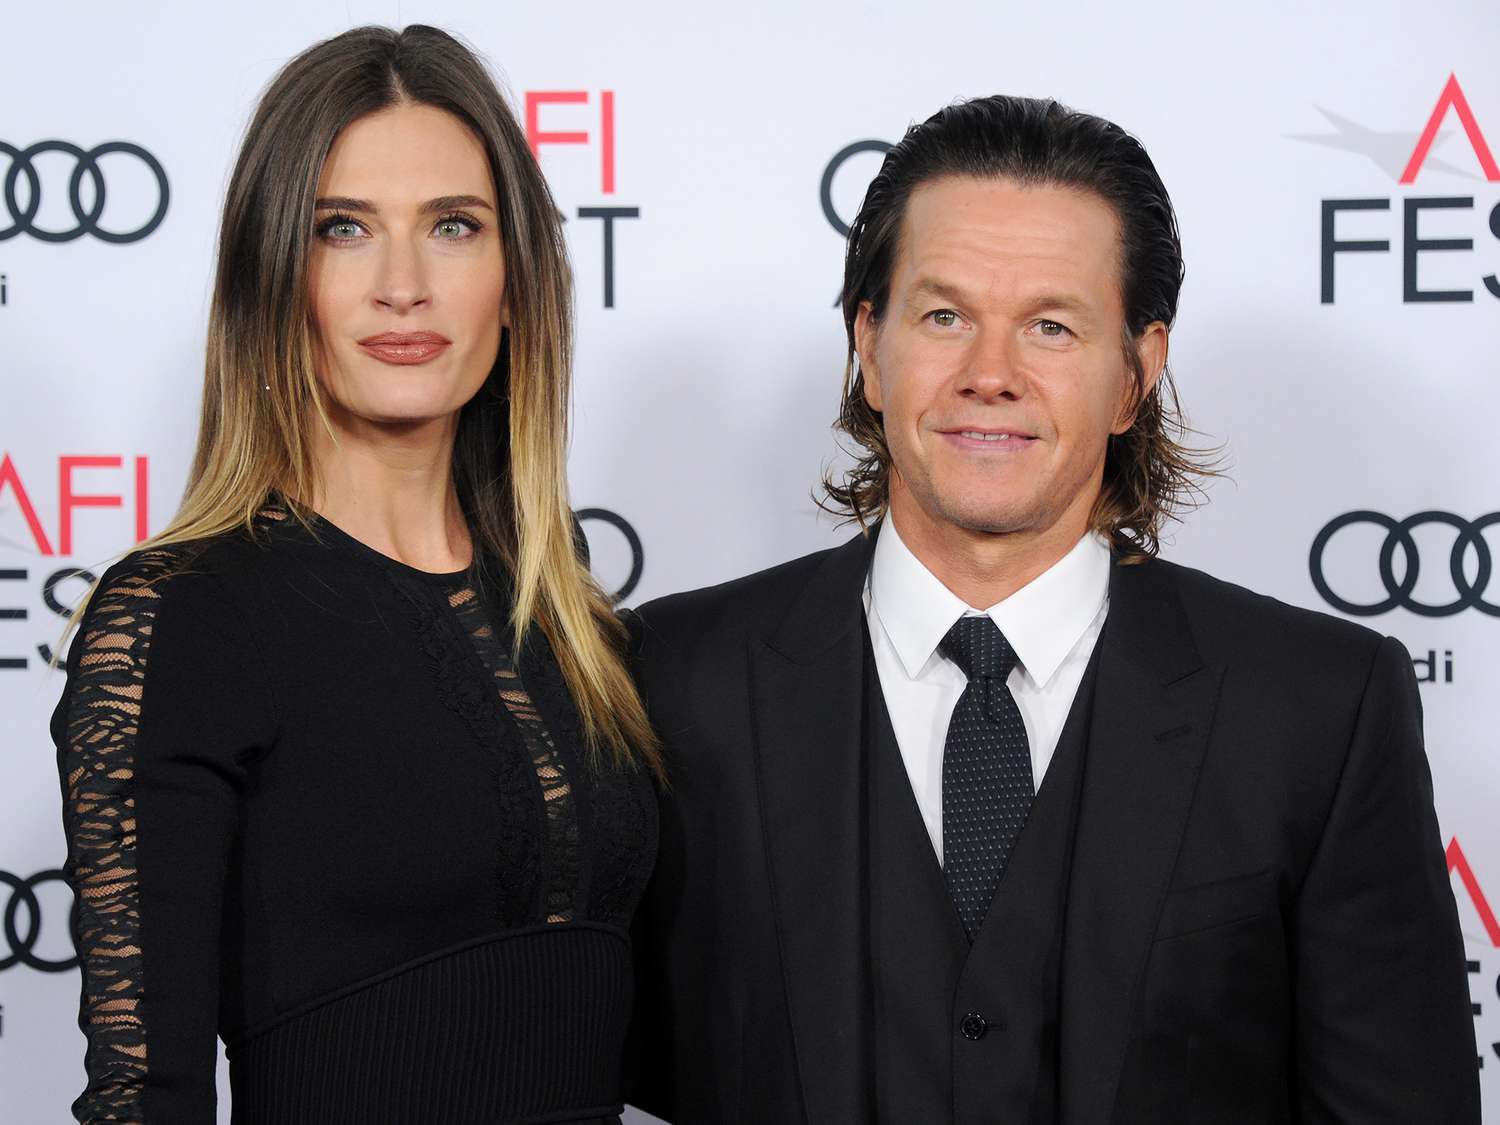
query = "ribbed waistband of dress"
{"x": 521, "y": 1028}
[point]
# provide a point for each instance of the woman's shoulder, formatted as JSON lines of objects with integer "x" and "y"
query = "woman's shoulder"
{"x": 179, "y": 612}
{"x": 205, "y": 560}
{"x": 206, "y": 573}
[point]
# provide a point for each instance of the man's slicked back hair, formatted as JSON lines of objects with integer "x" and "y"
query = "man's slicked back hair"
{"x": 1150, "y": 475}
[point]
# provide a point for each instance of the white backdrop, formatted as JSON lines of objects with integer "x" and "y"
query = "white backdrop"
{"x": 706, "y": 391}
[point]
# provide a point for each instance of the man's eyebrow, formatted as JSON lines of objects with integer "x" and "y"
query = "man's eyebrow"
{"x": 946, "y": 291}
{"x": 441, "y": 203}
{"x": 1061, "y": 301}
{"x": 937, "y": 288}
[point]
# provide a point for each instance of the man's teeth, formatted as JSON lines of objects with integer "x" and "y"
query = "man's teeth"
{"x": 977, "y": 436}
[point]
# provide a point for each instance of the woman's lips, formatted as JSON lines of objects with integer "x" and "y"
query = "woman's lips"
{"x": 405, "y": 348}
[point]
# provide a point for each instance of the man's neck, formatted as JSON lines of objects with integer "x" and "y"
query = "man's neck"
{"x": 391, "y": 487}
{"x": 982, "y": 568}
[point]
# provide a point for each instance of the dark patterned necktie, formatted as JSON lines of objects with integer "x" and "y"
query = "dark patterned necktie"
{"x": 987, "y": 786}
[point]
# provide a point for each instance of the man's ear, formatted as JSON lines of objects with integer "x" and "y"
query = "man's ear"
{"x": 864, "y": 348}
{"x": 1151, "y": 353}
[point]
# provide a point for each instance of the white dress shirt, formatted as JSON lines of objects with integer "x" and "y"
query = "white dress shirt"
{"x": 1052, "y": 623}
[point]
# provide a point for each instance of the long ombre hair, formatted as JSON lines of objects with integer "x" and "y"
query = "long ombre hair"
{"x": 261, "y": 393}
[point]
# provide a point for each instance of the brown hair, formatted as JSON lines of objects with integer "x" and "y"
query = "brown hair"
{"x": 1150, "y": 474}
{"x": 260, "y": 392}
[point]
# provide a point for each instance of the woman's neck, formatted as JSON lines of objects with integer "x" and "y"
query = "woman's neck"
{"x": 391, "y": 487}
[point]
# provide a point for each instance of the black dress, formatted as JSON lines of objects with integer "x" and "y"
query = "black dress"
{"x": 314, "y": 808}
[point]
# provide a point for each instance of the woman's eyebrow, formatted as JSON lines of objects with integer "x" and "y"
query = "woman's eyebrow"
{"x": 441, "y": 203}
{"x": 449, "y": 202}
{"x": 343, "y": 203}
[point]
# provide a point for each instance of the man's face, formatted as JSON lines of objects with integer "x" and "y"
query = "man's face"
{"x": 998, "y": 363}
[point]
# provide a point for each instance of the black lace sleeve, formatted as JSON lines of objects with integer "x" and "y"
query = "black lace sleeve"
{"x": 163, "y": 699}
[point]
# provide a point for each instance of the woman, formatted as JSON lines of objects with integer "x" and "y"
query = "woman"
{"x": 354, "y": 775}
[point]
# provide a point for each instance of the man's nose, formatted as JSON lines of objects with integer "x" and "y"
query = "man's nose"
{"x": 992, "y": 368}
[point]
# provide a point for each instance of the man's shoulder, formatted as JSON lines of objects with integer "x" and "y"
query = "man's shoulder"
{"x": 1228, "y": 618}
{"x": 729, "y": 611}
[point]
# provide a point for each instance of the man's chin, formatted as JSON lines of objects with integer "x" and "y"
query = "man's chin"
{"x": 985, "y": 517}
{"x": 973, "y": 508}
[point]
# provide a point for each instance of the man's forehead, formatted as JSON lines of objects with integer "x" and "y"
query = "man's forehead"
{"x": 955, "y": 207}
{"x": 958, "y": 228}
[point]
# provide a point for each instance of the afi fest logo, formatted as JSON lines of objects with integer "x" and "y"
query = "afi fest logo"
{"x": 1485, "y": 945}
{"x": 128, "y": 484}
{"x": 596, "y": 110}
{"x": 1405, "y": 155}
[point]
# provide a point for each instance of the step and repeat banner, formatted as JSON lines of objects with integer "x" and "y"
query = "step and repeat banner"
{"x": 1335, "y": 172}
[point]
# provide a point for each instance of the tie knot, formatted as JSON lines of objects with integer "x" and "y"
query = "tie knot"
{"x": 977, "y": 645}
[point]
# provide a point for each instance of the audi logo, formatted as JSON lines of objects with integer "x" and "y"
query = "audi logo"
{"x": 23, "y": 923}
{"x": 637, "y": 553}
{"x": 86, "y": 164}
{"x": 1470, "y": 538}
{"x": 825, "y": 187}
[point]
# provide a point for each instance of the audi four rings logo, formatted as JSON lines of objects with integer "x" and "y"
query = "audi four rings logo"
{"x": 637, "y": 552}
{"x": 825, "y": 186}
{"x": 1470, "y": 593}
{"x": 23, "y": 923}
{"x": 86, "y": 163}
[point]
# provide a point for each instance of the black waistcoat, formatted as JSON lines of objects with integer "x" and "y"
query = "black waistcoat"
{"x": 967, "y": 1034}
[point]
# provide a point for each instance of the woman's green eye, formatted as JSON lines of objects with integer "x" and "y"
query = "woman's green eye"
{"x": 453, "y": 227}
{"x": 339, "y": 229}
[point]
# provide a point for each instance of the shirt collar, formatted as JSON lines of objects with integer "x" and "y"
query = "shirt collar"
{"x": 1042, "y": 620}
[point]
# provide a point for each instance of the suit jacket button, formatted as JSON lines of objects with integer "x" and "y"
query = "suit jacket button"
{"x": 974, "y": 1026}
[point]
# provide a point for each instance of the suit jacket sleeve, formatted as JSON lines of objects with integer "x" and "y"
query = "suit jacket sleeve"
{"x": 1384, "y": 1030}
{"x": 647, "y": 1078}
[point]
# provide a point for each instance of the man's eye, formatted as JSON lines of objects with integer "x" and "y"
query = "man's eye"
{"x": 943, "y": 318}
{"x": 1052, "y": 328}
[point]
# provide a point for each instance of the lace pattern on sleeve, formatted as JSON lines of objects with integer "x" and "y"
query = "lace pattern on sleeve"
{"x": 109, "y": 671}
{"x": 561, "y": 829}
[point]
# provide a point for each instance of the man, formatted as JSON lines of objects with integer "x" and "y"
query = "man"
{"x": 991, "y": 816}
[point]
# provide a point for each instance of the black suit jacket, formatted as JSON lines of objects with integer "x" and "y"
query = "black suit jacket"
{"x": 1259, "y": 924}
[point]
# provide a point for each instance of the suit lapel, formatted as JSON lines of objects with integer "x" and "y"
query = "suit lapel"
{"x": 1153, "y": 707}
{"x": 806, "y": 687}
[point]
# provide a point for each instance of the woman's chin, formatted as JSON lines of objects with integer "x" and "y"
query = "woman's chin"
{"x": 399, "y": 411}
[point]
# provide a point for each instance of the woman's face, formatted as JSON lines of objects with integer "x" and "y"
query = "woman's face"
{"x": 407, "y": 273}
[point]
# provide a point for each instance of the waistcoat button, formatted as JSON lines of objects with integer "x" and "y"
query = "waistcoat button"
{"x": 974, "y": 1026}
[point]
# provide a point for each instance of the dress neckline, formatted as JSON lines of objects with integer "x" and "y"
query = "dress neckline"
{"x": 325, "y": 528}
